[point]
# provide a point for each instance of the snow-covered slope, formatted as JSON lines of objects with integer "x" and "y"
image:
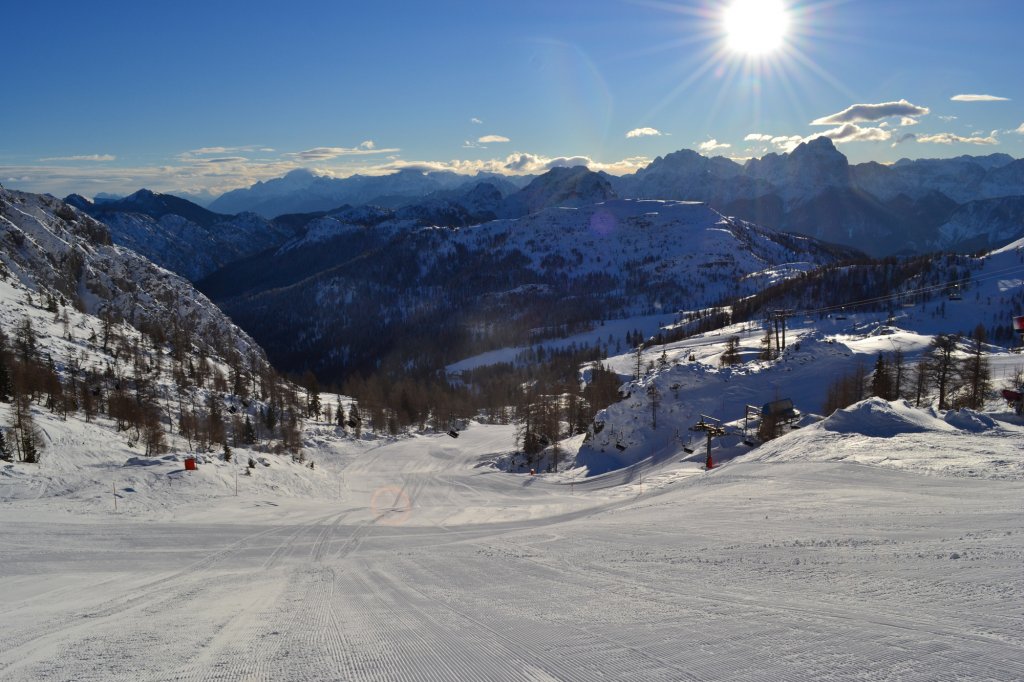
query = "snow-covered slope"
{"x": 350, "y": 295}
{"x": 686, "y": 379}
{"x": 51, "y": 248}
{"x": 898, "y": 435}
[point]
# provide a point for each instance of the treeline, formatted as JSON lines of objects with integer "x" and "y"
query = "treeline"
{"x": 542, "y": 392}
{"x": 954, "y": 370}
{"x": 877, "y": 285}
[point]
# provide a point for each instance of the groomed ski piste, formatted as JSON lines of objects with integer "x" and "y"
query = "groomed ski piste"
{"x": 881, "y": 542}
{"x": 808, "y": 558}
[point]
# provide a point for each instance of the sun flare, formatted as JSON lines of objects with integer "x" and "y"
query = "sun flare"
{"x": 755, "y": 27}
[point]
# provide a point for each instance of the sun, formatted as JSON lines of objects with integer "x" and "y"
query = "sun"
{"x": 755, "y": 27}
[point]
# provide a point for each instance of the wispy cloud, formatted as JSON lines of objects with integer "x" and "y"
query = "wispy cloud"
{"x": 952, "y": 138}
{"x": 712, "y": 145}
{"x": 1020, "y": 129}
{"x": 978, "y": 98}
{"x": 783, "y": 143}
{"x": 851, "y": 132}
{"x": 947, "y": 119}
{"x": 906, "y": 121}
{"x": 476, "y": 121}
{"x": 203, "y": 151}
{"x": 905, "y": 137}
{"x": 858, "y": 113}
{"x": 644, "y": 132}
{"x": 81, "y": 157}
{"x": 488, "y": 139}
{"x": 325, "y": 153}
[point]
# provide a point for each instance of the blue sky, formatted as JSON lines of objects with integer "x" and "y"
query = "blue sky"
{"x": 193, "y": 97}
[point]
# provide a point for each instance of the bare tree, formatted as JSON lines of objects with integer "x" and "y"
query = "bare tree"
{"x": 940, "y": 365}
{"x": 975, "y": 371}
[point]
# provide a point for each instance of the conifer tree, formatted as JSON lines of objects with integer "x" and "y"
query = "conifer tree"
{"x": 881, "y": 379}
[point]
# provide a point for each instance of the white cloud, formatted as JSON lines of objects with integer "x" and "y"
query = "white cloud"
{"x": 786, "y": 143}
{"x": 783, "y": 143}
{"x": 1020, "y": 129}
{"x": 712, "y": 145}
{"x": 947, "y": 119}
{"x": 82, "y": 157}
{"x": 517, "y": 163}
{"x": 858, "y": 113}
{"x": 476, "y": 121}
{"x": 952, "y": 138}
{"x": 367, "y": 144}
{"x": 644, "y": 132}
{"x": 851, "y": 132}
{"x": 978, "y": 98}
{"x": 906, "y": 121}
{"x": 220, "y": 174}
{"x": 488, "y": 139}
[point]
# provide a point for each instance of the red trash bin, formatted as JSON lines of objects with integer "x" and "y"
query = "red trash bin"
{"x": 190, "y": 464}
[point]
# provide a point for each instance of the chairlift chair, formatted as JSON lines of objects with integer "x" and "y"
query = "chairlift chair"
{"x": 688, "y": 447}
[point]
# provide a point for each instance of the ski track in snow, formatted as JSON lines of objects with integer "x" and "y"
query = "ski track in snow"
{"x": 758, "y": 570}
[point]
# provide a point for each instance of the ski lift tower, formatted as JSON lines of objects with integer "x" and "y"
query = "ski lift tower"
{"x": 713, "y": 428}
{"x": 779, "y": 319}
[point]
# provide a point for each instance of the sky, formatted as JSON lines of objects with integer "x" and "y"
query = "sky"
{"x": 199, "y": 97}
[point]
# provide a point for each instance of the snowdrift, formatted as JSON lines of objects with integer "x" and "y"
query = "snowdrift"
{"x": 898, "y": 435}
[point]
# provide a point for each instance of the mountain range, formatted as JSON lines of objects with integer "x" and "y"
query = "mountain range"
{"x": 302, "y": 191}
{"x": 962, "y": 203}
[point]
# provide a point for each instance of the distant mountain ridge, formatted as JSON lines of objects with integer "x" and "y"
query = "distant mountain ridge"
{"x": 911, "y": 206}
{"x": 302, "y": 191}
{"x": 180, "y": 235}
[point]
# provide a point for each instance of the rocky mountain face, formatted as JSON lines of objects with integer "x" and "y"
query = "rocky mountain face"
{"x": 181, "y": 236}
{"x": 55, "y": 250}
{"x": 814, "y": 190}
